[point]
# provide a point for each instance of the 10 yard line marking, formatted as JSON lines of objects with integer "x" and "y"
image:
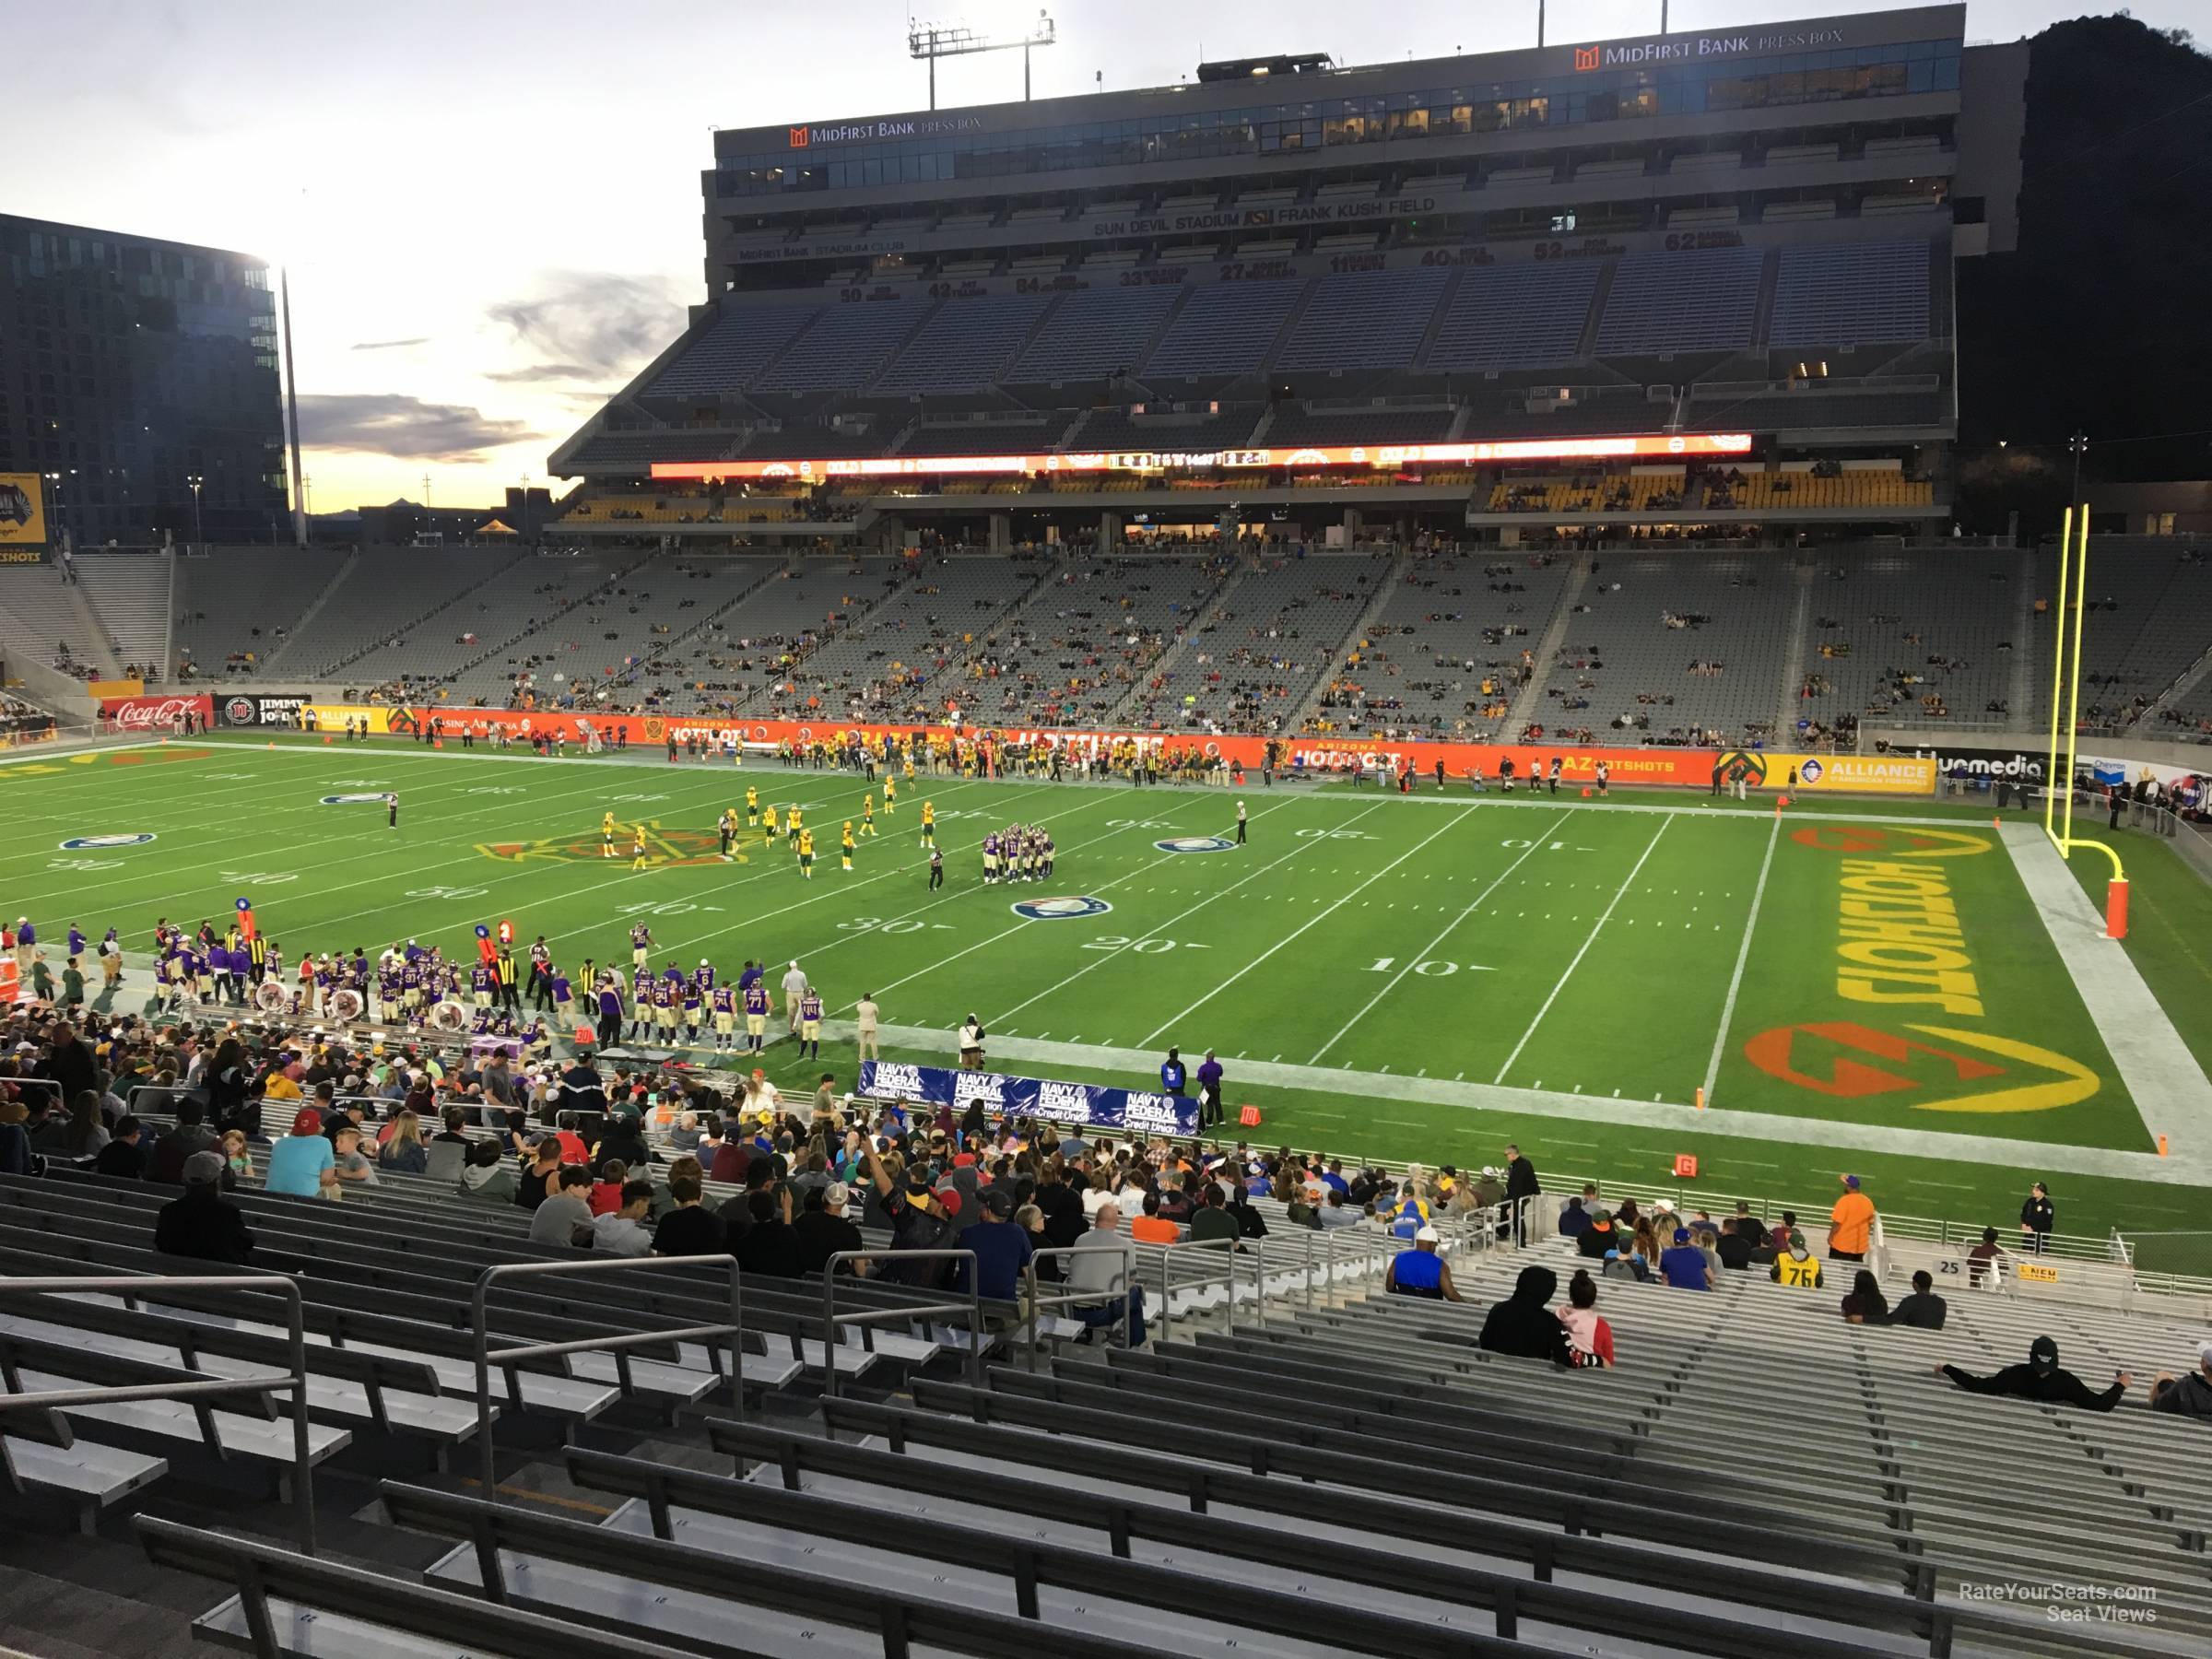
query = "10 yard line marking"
{"x": 1423, "y": 954}
{"x": 1626, "y": 882}
{"x": 1743, "y": 954}
{"x": 1285, "y": 939}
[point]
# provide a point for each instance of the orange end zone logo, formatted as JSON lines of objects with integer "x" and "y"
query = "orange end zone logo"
{"x": 1844, "y": 1060}
{"x": 1862, "y": 840}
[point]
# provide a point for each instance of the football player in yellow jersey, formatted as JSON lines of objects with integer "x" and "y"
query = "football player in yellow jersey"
{"x": 752, "y": 808}
{"x": 909, "y": 766}
{"x": 890, "y": 797}
{"x": 637, "y": 847}
{"x": 868, "y": 814}
{"x": 929, "y": 825}
{"x": 791, "y": 830}
{"x": 607, "y": 835}
{"x": 807, "y": 853}
{"x": 848, "y": 844}
{"x": 767, "y": 822}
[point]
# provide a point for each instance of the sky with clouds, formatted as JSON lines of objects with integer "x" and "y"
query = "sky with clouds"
{"x": 490, "y": 208}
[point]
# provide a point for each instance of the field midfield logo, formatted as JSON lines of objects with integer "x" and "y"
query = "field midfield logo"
{"x": 1058, "y": 909}
{"x": 1195, "y": 843}
{"x": 79, "y": 843}
{"x": 348, "y": 800}
{"x": 663, "y": 849}
{"x": 1795, "y": 1055}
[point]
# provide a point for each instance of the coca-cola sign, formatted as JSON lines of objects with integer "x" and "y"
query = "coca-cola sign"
{"x": 156, "y": 713}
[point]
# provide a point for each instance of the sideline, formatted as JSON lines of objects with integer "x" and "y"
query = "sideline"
{"x": 2170, "y": 1089}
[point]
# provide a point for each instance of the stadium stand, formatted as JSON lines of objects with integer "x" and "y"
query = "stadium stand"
{"x": 1224, "y": 330}
{"x": 964, "y": 346}
{"x": 1094, "y": 334}
{"x": 53, "y": 614}
{"x": 1514, "y": 316}
{"x": 1663, "y": 649}
{"x": 238, "y": 607}
{"x": 731, "y": 352}
{"x": 2145, "y": 626}
{"x": 129, "y": 592}
{"x": 1916, "y": 636}
{"x": 846, "y": 347}
{"x": 1674, "y": 302}
{"x": 1868, "y": 294}
{"x": 375, "y": 609}
{"x": 1368, "y": 320}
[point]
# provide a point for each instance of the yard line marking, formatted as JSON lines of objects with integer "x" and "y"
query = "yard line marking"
{"x": 1115, "y": 955}
{"x": 1285, "y": 939}
{"x": 1626, "y": 882}
{"x": 1422, "y": 955}
{"x": 1743, "y": 954}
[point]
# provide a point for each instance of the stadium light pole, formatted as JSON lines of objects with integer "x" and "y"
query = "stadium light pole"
{"x": 193, "y": 484}
{"x": 934, "y": 41}
{"x": 291, "y": 399}
{"x": 2076, "y": 446}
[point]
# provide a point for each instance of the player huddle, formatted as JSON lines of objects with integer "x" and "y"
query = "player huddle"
{"x": 1018, "y": 853}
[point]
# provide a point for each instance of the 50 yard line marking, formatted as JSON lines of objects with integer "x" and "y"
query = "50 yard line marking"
{"x": 1422, "y": 955}
{"x": 1743, "y": 954}
{"x": 1618, "y": 892}
{"x": 1240, "y": 973}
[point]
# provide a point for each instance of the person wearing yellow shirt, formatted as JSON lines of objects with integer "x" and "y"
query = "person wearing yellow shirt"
{"x": 607, "y": 835}
{"x": 752, "y": 809}
{"x": 890, "y": 793}
{"x": 909, "y": 766}
{"x": 1794, "y": 1267}
{"x": 791, "y": 828}
{"x": 768, "y": 823}
{"x": 847, "y": 848}
{"x": 929, "y": 825}
{"x": 1851, "y": 1224}
{"x": 807, "y": 853}
{"x": 868, "y": 814}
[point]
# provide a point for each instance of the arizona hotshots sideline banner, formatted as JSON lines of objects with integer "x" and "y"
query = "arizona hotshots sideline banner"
{"x": 1628, "y": 768}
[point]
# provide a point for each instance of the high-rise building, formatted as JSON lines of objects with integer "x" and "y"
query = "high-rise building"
{"x": 130, "y": 367}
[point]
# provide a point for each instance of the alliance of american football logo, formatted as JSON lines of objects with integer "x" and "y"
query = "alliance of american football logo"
{"x": 1060, "y": 910}
{"x": 1195, "y": 843}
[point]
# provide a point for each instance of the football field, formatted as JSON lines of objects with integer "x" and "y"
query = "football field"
{"x": 1845, "y": 985}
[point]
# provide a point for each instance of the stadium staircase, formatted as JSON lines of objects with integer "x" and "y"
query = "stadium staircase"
{"x": 1787, "y": 701}
{"x": 1171, "y": 661}
{"x": 2024, "y": 693}
{"x": 337, "y": 580}
{"x": 1529, "y": 704}
{"x": 1585, "y": 348}
{"x": 2177, "y": 693}
{"x": 129, "y": 594}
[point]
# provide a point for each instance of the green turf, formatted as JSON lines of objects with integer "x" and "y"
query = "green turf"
{"x": 1450, "y": 940}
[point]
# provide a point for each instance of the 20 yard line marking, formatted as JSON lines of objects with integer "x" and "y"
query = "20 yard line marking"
{"x": 1743, "y": 954}
{"x": 1626, "y": 882}
{"x": 1422, "y": 955}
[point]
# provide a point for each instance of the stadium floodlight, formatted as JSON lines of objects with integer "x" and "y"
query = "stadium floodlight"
{"x": 935, "y": 41}
{"x": 194, "y": 483}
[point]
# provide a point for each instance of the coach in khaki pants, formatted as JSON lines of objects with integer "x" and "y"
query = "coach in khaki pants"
{"x": 865, "y": 1013}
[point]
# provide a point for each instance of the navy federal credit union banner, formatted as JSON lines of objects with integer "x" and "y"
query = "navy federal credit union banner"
{"x": 1078, "y": 1103}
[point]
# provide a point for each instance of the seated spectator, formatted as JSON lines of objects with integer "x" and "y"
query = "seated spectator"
{"x": 1524, "y": 1324}
{"x": 1214, "y": 1222}
{"x": 1734, "y": 1246}
{"x": 202, "y": 1223}
{"x": 1626, "y": 1264}
{"x": 1984, "y": 1261}
{"x": 687, "y": 1229}
{"x": 191, "y": 1134}
{"x": 2040, "y": 1378}
{"x": 1749, "y": 1226}
{"x": 455, "y": 1119}
{"x": 1600, "y": 1237}
{"x": 824, "y": 1230}
{"x": 1152, "y": 1227}
{"x": 1795, "y": 1266}
{"x": 565, "y": 1217}
{"x": 622, "y": 1230}
{"x": 769, "y": 1248}
{"x": 1587, "y": 1330}
{"x": 349, "y": 1162}
{"x": 1336, "y": 1212}
{"x": 606, "y": 1192}
{"x": 1574, "y": 1220}
{"x": 302, "y": 1163}
{"x": 1421, "y": 1271}
{"x": 1865, "y": 1304}
{"x": 2190, "y": 1395}
{"x": 1101, "y": 1268}
{"x": 124, "y": 1156}
{"x": 536, "y": 1179}
{"x": 405, "y": 1152}
{"x": 487, "y": 1177}
{"x": 1924, "y": 1310}
{"x": 1001, "y": 1249}
{"x": 1683, "y": 1265}
{"x": 929, "y": 1219}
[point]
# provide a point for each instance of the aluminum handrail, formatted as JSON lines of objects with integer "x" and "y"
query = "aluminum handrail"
{"x": 153, "y": 1286}
{"x": 832, "y": 1318}
{"x": 733, "y": 1329}
{"x": 1037, "y": 1301}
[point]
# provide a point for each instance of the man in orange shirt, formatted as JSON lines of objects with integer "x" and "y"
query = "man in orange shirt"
{"x": 1152, "y": 1228}
{"x": 1851, "y": 1224}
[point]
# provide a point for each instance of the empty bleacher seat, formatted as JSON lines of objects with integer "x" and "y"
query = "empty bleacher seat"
{"x": 1225, "y": 328}
{"x": 1527, "y": 316}
{"x": 1671, "y": 302}
{"x": 1854, "y": 295}
{"x": 731, "y": 351}
{"x": 1365, "y": 320}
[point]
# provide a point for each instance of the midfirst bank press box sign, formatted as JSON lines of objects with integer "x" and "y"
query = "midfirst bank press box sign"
{"x": 1079, "y": 1105}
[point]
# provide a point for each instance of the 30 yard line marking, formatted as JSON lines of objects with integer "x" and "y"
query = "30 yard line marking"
{"x": 1240, "y": 973}
{"x": 1743, "y": 954}
{"x": 1626, "y": 882}
{"x": 1422, "y": 955}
